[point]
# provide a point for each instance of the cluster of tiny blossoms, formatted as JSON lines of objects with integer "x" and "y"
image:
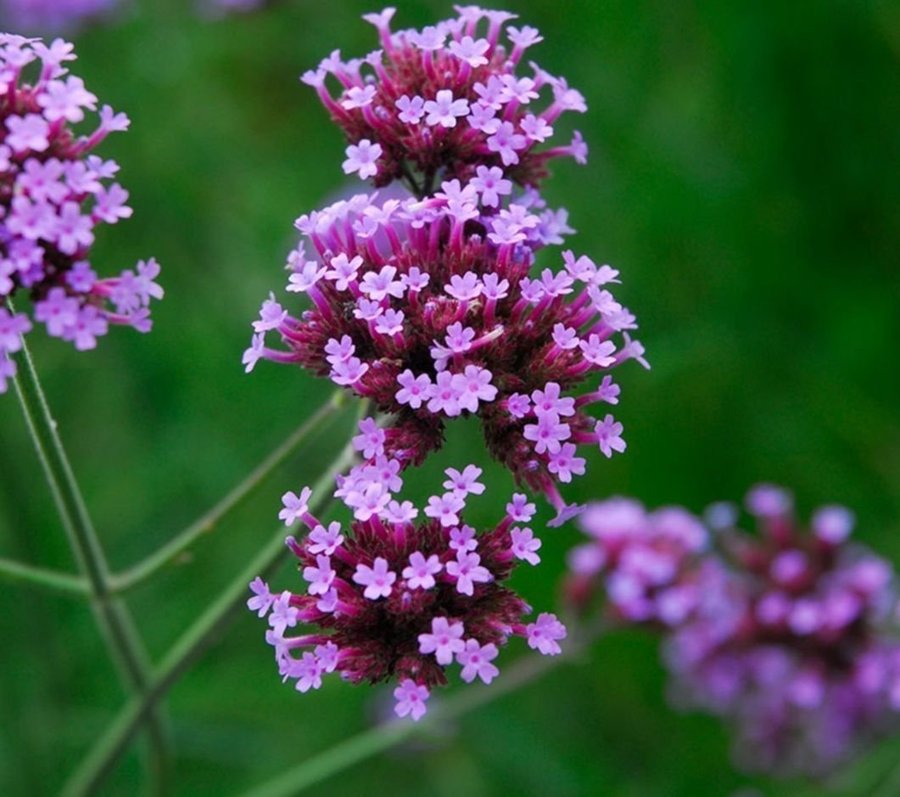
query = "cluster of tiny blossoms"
{"x": 643, "y": 558}
{"x": 398, "y": 597}
{"x": 426, "y": 308}
{"x": 53, "y": 194}
{"x": 446, "y": 100}
{"x": 48, "y": 16}
{"x": 789, "y": 634}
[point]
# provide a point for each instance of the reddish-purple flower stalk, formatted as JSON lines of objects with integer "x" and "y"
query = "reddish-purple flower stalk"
{"x": 395, "y": 599}
{"x": 440, "y": 102}
{"x": 426, "y": 308}
{"x": 53, "y": 194}
{"x": 790, "y": 634}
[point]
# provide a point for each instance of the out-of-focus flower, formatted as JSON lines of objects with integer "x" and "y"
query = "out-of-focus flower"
{"x": 53, "y": 195}
{"x": 792, "y": 637}
{"x": 52, "y": 16}
{"x": 437, "y": 103}
{"x": 429, "y": 309}
{"x": 390, "y": 598}
{"x": 642, "y": 560}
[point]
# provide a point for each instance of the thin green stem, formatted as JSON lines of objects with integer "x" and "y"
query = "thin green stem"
{"x": 112, "y": 615}
{"x": 170, "y": 552}
{"x": 43, "y": 578}
{"x": 382, "y": 737}
{"x": 188, "y": 648}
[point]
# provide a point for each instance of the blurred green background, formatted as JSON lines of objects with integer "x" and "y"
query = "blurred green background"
{"x": 743, "y": 177}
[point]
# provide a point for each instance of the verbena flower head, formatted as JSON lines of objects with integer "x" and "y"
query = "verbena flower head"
{"x": 402, "y": 593}
{"x": 54, "y": 193}
{"x": 641, "y": 558}
{"x": 791, "y": 639}
{"x": 439, "y": 102}
{"x": 47, "y": 16}
{"x": 429, "y": 308}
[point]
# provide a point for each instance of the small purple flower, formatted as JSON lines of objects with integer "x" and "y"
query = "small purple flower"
{"x": 411, "y": 698}
{"x": 362, "y": 159}
{"x": 476, "y": 661}
{"x": 444, "y": 640}
{"x": 377, "y": 580}
{"x": 545, "y": 633}
{"x": 525, "y": 545}
{"x": 294, "y": 506}
{"x": 421, "y": 571}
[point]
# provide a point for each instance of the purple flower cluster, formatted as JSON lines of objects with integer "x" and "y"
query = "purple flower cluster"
{"x": 445, "y": 100}
{"x": 48, "y": 16}
{"x": 393, "y": 598}
{"x": 789, "y": 634}
{"x": 426, "y": 308}
{"x": 53, "y": 195}
{"x": 643, "y": 557}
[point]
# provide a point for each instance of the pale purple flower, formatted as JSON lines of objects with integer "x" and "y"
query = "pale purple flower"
{"x": 377, "y": 579}
{"x": 465, "y": 482}
{"x": 545, "y": 633}
{"x": 609, "y": 436}
{"x": 444, "y": 110}
{"x": 411, "y": 698}
{"x": 294, "y": 506}
{"x": 468, "y": 571}
{"x": 362, "y": 159}
{"x": 476, "y": 661}
{"x": 444, "y": 640}
{"x": 321, "y": 576}
{"x": 420, "y": 572}
{"x": 525, "y": 545}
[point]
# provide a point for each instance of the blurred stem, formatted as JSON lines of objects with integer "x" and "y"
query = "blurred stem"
{"x": 112, "y": 615}
{"x": 382, "y": 737}
{"x": 170, "y": 552}
{"x": 188, "y": 648}
{"x": 44, "y": 578}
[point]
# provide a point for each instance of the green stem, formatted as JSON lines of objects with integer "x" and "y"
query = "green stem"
{"x": 385, "y": 736}
{"x": 112, "y": 615}
{"x": 188, "y": 648}
{"x": 52, "y": 580}
{"x": 170, "y": 552}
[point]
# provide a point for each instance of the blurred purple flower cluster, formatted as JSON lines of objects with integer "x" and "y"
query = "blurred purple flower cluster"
{"x": 790, "y": 634}
{"x": 53, "y": 195}
{"x": 50, "y": 16}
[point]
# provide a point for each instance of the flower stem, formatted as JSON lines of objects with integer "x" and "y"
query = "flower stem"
{"x": 188, "y": 648}
{"x": 167, "y": 555}
{"x": 44, "y": 578}
{"x": 386, "y": 735}
{"x": 112, "y": 615}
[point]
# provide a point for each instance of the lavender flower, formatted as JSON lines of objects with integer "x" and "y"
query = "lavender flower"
{"x": 53, "y": 195}
{"x": 427, "y": 308}
{"x": 393, "y": 599}
{"x": 48, "y": 16}
{"x": 790, "y": 639}
{"x": 442, "y": 101}
{"x": 643, "y": 559}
